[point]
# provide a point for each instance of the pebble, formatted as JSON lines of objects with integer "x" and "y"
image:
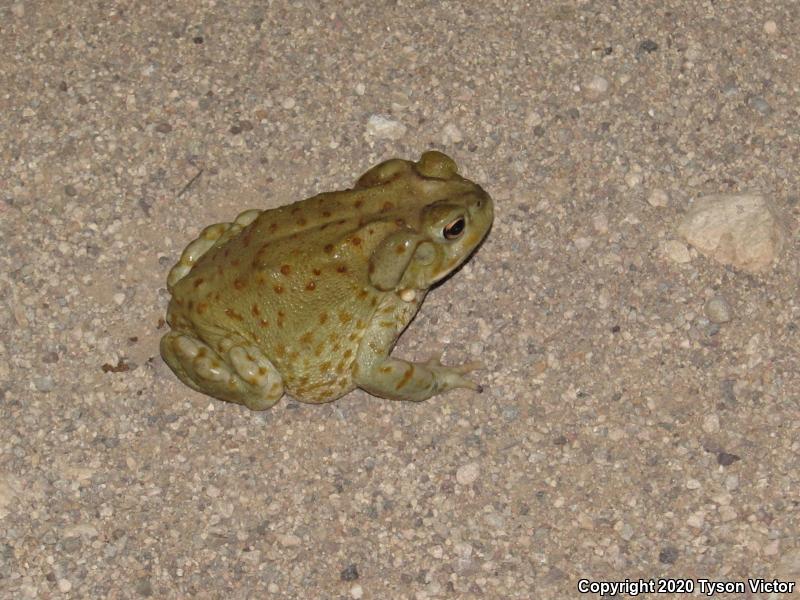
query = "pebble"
{"x": 760, "y": 105}
{"x": 356, "y": 591}
{"x": 658, "y": 198}
{"x": 64, "y": 585}
{"x": 360, "y": 89}
{"x": 741, "y": 230}
{"x": 677, "y": 251}
{"x": 467, "y": 474}
{"x": 597, "y": 85}
{"x": 717, "y": 310}
{"x": 119, "y": 298}
{"x": 44, "y": 383}
{"x": 633, "y": 178}
{"x": 711, "y": 423}
{"x": 696, "y": 520}
{"x": 288, "y": 103}
{"x": 770, "y": 27}
{"x": 693, "y": 484}
{"x": 600, "y": 223}
{"x": 451, "y": 134}
{"x": 349, "y": 573}
{"x": 382, "y": 127}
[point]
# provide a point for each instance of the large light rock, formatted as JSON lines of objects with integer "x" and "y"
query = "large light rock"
{"x": 741, "y": 230}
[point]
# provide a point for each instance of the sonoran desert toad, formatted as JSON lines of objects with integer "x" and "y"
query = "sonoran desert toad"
{"x": 310, "y": 298}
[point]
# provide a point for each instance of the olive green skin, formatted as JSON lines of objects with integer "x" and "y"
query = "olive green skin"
{"x": 310, "y": 298}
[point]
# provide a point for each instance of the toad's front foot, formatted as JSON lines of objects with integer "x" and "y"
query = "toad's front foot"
{"x": 401, "y": 380}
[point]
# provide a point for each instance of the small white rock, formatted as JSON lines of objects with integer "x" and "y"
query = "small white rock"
{"x": 360, "y": 89}
{"x": 119, "y": 298}
{"x": 597, "y": 85}
{"x": 770, "y": 28}
{"x": 711, "y": 423}
{"x": 600, "y": 223}
{"x": 356, "y": 592}
{"x": 742, "y": 230}
{"x": 696, "y": 520}
{"x": 693, "y": 484}
{"x": 64, "y": 585}
{"x": 658, "y": 198}
{"x": 677, "y": 251}
{"x": 582, "y": 243}
{"x": 382, "y": 127}
{"x": 467, "y": 474}
{"x": 451, "y": 134}
{"x": 288, "y": 103}
{"x": 633, "y": 178}
{"x": 717, "y": 310}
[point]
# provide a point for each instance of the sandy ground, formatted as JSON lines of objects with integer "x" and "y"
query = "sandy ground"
{"x": 622, "y": 434}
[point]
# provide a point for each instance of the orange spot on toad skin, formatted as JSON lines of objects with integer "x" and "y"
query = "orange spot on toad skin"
{"x": 316, "y": 272}
{"x": 400, "y": 248}
{"x": 358, "y": 203}
{"x": 325, "y": 367}
{"x": 345, "y": 316}
{"x": 387, "y": 206}
{"x": 326, "y": 213}
{"x": 239, "y": 284}
{"x": 400, "y": 222}
{"x": 278, "y": 289}
{"x": 306, "y": 338}
{"x": 341, "y": 269}
{"x": 280, "y": 351}
{"x": 310, "y": 286}
{"x": 201, "y": 307}
{"x": 233, "y": 314}
{"x": 355, "y": 240}
{"x": 328, "y": 248}
{"x": 255, "y": 310}
{"x": 295, "y": 210}
{"x": 406, "y": 377}
{"x": 281, "y": 316}
{"x": 286, "y": 269}
{"x": 263, "y": 323}
{"x": 273, "y": 227}
{"x": 323, "y": 317}
{"x": 198, "y": 282}
{"x": 348, "y": 353}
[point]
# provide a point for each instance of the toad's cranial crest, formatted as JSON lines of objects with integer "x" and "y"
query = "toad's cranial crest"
{"x": 309, "y": 299}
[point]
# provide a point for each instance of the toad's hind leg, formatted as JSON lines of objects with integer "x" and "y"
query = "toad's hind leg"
{"x": 244, "y": 375}
{"x": 213, "y": 235}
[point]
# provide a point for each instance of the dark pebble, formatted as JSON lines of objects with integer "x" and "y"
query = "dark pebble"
{"x": 668, "y": 555}
{"x": 726, "y": 459}
{"x": 70, "y": 191}
{"x": 647, "y": 46}
{"x": 349, "y": 573}
{"x": 198, "y": 39}
{"x": 163, "y": 128}
{"x": 538, "y": 131}
{"x": 235, "y": 129}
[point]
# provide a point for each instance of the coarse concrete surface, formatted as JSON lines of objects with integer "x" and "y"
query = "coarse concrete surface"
{"x": 641, "y": 412}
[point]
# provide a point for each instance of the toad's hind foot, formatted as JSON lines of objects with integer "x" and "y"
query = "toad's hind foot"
{"x": 244, "y": 375}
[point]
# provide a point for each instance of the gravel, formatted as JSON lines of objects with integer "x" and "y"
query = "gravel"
{"x": 610, "y": 383}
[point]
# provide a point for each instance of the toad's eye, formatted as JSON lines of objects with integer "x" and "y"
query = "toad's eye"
{"x": 453, "y": 229}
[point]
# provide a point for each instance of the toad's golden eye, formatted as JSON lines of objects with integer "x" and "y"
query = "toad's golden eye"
{"x": 454, "y": 229}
